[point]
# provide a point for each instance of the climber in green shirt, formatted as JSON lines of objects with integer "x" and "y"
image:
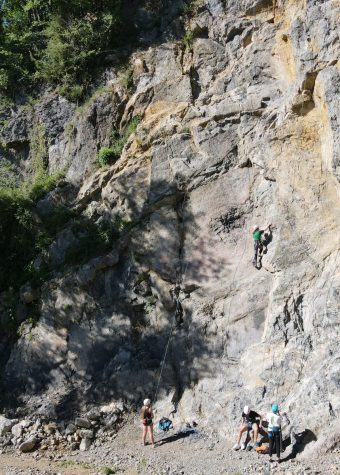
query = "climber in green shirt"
{"x": 258, "y": 242}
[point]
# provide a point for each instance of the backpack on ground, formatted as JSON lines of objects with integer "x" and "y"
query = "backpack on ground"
{"x": 263, "y": 449}
{"x": 165, "y": 424}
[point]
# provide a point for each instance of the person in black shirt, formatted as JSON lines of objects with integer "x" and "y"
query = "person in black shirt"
{"x": 251, "y": 420}
{"x": 146, "y": 416}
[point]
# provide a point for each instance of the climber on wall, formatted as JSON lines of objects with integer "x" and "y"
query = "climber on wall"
{"x": 274, "y": 432}
{"x": 251, "y": 420}
{"x": 147, "y": 421}
{"x": 259, "y": 242}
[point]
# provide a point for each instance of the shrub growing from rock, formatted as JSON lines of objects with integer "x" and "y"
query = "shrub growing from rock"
{"x": 107, "y": 156}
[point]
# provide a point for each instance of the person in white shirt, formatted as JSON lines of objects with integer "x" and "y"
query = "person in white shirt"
{"x": 274, "y": 432}
{"x": 251, "y": 420}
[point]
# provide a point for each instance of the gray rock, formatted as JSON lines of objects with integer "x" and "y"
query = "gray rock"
{"x": 85, "y": 444}
{"x": 17, "y": 430}
{"x": 16, "y": 130}
{"x": 70, "y": 429}
{"x": 58, "y": 249}
{"x": 29, "y": 445}
{"x": 111, "y": 421}
{"x": 54, "y": 112}
{"x": 6, "y": 425}
{"x": 82, "y": 422}
{"x": 86, "y": 434}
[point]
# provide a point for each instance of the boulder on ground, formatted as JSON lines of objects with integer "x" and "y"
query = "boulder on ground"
{"x": 85, "y": 444}
{"x": 6, "y": 425}
{"x": 83, "y": 423}
{"x": 29, "y": 445}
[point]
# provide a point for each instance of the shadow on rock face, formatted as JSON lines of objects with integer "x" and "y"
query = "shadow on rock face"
{"x": 105, "y": 324}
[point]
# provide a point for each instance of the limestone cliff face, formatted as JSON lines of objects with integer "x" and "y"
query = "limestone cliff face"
{"x": 239, "y": 127}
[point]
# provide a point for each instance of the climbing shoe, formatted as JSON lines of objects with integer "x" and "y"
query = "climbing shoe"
{"x": 236, "y": 447}
{"x": 249, "y": 447}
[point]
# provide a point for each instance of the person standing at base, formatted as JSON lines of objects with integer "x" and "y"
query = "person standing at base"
{"x": 147, "y": 421}
{"x": 274, "y": 432}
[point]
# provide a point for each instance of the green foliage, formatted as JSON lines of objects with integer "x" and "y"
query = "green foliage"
{"x": 72, "y": 48}
{"x": 142, "y": 277}
{"x": 40, "y": 181}
{"x": 72, "y": 93}
{"x": 74, "y": 463}
{"x": 58, "y": 218}
{"x": 131, "y": 127}
{"x": 29, "y": 323}
{"x": 186, "y": 131}
{"x": 121, "y": 139}
{"x": 59, "y": 42}
{"x": 22, "y": 237}
{"x": 126, "y": 77}
{"x": 106, "y": 156}
{"x": 93, "y": 239}
{"x": 192, "y": 6}
{"x": 38, "y": 147}
{"x": 118, "y": 143}
{"x": 149, "y": 305}
{"x": 10, "y": 326}
{"x": 17, "y": 237}
{"x": 42, "y": 184}
{"x": 188, "y": 39}
{"x": 108, "y": 470}
{"x": 8, "y": 176}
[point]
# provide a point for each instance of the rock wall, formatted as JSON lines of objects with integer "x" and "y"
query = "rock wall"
{"x": 239, "y": 126}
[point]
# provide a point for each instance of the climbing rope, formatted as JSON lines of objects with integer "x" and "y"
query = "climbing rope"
{"x": 179, "y": 280}
{"x": 163, "y": 362}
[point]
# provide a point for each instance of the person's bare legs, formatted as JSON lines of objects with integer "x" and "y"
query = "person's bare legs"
{"x": 242, "y": 430}
{"x": 150, "y": 429}
{"x": 256, "y": 432}
{"x": 145, "y": 430}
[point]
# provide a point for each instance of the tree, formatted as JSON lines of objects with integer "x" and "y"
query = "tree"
{"x": 54, "y": 41}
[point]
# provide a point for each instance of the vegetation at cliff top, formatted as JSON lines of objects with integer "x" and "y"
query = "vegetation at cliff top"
{"x": 63, "y": 44}
{"x": 56, "y": 43}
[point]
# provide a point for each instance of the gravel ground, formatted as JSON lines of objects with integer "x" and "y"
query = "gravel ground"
{"x": 177, "y": 453}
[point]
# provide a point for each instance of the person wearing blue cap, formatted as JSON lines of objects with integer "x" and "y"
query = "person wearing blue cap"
{"x": 274, "y": 432}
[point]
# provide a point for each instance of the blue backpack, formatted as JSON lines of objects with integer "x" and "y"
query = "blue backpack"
{"x": 165, "y": 424}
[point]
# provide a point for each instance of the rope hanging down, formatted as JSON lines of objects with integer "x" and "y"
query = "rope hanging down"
{"x": 179, "y": 280}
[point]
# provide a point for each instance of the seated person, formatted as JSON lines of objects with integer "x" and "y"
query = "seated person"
{"x": 251, "y": 420}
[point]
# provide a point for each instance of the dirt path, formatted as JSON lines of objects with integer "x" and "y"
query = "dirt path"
{"x": 11, "y": 463}
{"x": 185, "y": 453}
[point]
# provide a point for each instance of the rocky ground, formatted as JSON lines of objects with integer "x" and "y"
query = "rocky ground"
{"x": 181, "y": 451}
